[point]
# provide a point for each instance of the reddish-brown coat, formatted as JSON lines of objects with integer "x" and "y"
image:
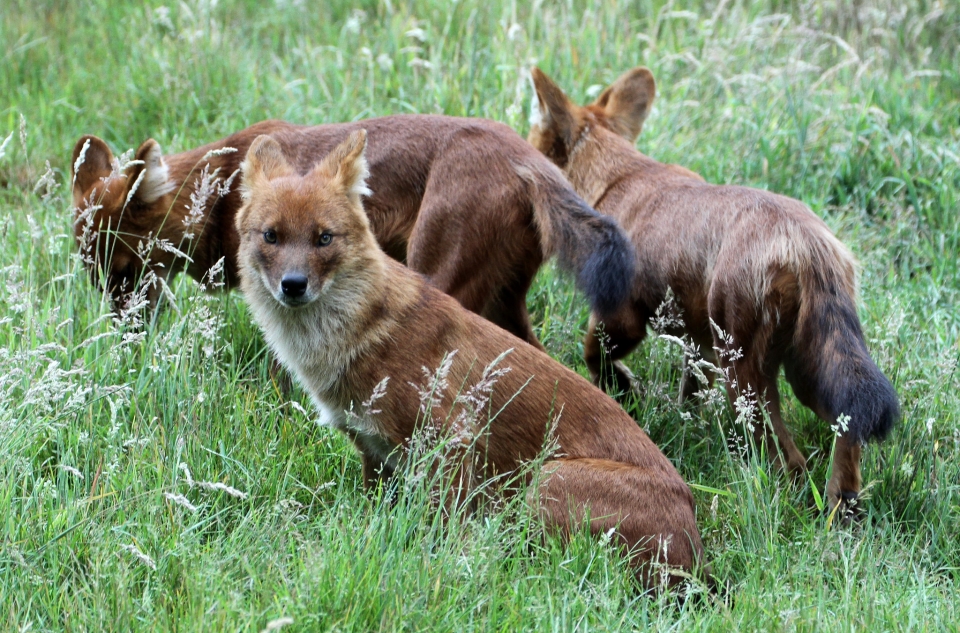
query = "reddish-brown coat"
{"x": 467, "y": 202}
{"x": 761, "y": 266}
{"x": 377, "y": 319}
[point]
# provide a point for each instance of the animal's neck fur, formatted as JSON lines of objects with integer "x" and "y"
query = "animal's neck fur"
{"x": 602, "y": 160}
{"x": 320, "y": 341}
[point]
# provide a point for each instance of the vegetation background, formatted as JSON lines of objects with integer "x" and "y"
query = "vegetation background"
{"x": 156, "y": 479}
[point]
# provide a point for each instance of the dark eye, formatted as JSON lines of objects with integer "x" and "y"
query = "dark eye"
{"x": 270, "y": 236}
{"x": 325, "y": 239}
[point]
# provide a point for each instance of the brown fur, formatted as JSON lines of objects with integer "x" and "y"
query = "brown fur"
{"x": 762, "y": 267}
{"x": 363, "y": 318}
{"x": 464, "y": 201}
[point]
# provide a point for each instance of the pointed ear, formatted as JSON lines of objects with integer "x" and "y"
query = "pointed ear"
{"x": 91, "y": 160}
{"x": 346, "y": 165}
{"x": 552, "y": 110}
{"x": 264, "y": 162}
{"x": 626, "y": 103}
{"x": 152, "y": 173}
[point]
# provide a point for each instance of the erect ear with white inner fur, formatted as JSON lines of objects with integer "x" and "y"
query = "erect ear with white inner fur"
{"x": 95, "y": 162}
{"x": 539, "y": 115}
{"x": 347, "y": 166}
{"x": 555, "y": 109}
{"x": 150, "y": 177}
{"x": 627, "y": 102}
{"x": 264, "y": 162}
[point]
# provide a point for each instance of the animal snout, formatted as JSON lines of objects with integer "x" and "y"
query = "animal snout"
{"x": 293, "y": 285}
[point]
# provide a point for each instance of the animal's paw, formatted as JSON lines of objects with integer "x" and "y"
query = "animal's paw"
{"x": 625, "y": 376}
{"x": 845, "y": 509}
{"x": 617, "y": 380}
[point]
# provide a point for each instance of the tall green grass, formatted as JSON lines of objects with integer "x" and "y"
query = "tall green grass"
{"x": 853, "y": 107}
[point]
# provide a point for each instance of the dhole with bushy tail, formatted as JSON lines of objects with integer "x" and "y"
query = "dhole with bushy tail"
{"x": 467, "y": 202}
{"x": 761, "y": 267}
{"x": 355, "y": 327}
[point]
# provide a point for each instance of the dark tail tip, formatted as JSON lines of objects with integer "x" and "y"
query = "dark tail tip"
{"x": 607, "y": 275}
{"x": 874, "y": 409}
{"x": 870, "y": 402}
{"x": 834, "y": 359}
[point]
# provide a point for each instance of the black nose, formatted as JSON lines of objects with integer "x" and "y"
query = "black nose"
{"x": 293, "y": 285}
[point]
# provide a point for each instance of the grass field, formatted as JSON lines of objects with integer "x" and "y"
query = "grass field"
{"x": 156, "y": 479}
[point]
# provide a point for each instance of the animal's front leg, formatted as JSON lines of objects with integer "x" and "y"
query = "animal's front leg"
{"x": 690, "y": 384}
{"x": 843, "y": 489}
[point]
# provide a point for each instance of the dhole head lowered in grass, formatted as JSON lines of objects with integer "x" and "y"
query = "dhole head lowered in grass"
{"x": 357, "y": 328}
{"x": 760, "y": 281}
{"x": 466, "y": 202}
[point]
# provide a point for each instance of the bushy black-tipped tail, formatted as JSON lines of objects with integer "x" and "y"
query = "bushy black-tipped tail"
{"x": 590, "y": 245}
{"x": 607, "y": 275}
{"x": 832, "y": 371}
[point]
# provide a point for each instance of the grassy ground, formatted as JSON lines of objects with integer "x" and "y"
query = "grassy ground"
{"x": 111, "y": 439}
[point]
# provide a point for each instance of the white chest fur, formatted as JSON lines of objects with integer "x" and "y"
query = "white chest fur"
{"x": 312, "y": 344}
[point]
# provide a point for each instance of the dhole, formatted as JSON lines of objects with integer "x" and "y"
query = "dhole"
{"x": 762, "y": 267}
{"x": 347, "y": 320}
{"x": 467, "y": 202}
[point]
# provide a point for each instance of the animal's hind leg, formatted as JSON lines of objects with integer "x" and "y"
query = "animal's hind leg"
{"x": 844, "y": 485}
{"x": 754, "y": 376}
{"x": 649, "y": 513}
{"x": 843, "y": 488}
{"x": 508, "y": 309}
{"x": 609, "y": 341}
{"x": 751, "y": 357}
{"x": 478, "y": 245}
{"x": 796, "y": 462}
{"x": 453, "y": 271}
